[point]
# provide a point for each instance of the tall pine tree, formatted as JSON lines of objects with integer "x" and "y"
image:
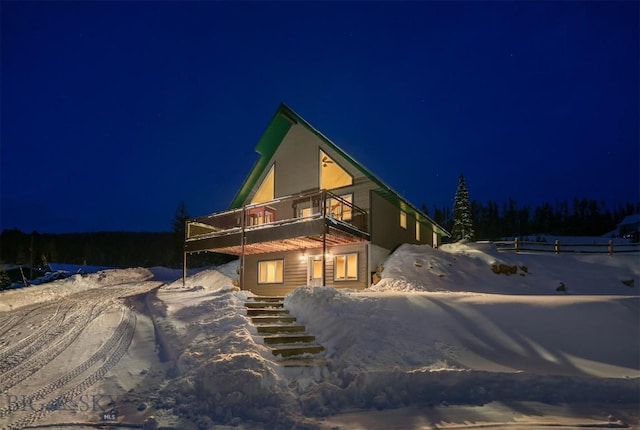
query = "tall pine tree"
{"x": 179, "y": 220}
{"x": 462, "y": 221}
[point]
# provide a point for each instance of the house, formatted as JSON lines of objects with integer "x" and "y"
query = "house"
{"x": 630, "y": 226}
{"x": 309, "y": 214}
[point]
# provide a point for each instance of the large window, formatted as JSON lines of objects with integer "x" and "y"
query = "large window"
{"x": 340, "y": 208}
{"x": 345, "y": 267}
{"x": 403, "y": 219}
{"x": 266, "y": 192}
{"x": 332, "y": 175}
{"x": 270, "y": 271}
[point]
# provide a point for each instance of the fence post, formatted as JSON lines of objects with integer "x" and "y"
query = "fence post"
{"x": 515, "y": 244}
{"x": 610, "y": 247}
{"x": 556, "y": 246}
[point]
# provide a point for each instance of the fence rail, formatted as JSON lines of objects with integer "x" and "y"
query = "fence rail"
{"x": 557, "y": 247}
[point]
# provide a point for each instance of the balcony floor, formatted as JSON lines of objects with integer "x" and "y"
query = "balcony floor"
{"x": 280, "y": 238}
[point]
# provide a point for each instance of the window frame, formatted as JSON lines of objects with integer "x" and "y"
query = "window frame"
{"x": 403, "y": 219}
{"x": 346, "y": 267}
{"x": 260, "y": 189}
{"x": 274, "y": 260}
{"x": 321, "y": 152}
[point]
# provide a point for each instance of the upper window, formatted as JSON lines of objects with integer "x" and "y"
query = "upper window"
{"x": 266, "y": 192}
{"x": 340, "y": 208}
{"x": 345, "y": 267}
{"x": 270, "y": 271}
{"x": 403, "y": 219}
{"x": 331, "y": 175}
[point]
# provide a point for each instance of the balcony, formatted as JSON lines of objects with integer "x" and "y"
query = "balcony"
{"x": 305, "y": 221}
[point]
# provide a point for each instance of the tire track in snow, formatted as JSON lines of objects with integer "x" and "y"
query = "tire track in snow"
{"x": 31, "y": 342}
{"x": 18, "y": 316}
{"x": 45, "y": 351}
{"x": 110, "y": 352}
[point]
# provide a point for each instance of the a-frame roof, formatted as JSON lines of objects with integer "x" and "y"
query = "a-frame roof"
{"x": 273, "y": 135}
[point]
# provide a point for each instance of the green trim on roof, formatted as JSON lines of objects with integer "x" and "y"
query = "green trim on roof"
{"x": 266, "y": 147}
{"x": 279, "y": 126}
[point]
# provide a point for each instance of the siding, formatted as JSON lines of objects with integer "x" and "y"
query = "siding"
{"x": 386, "y": 231}
{"x": 295, "y": 270}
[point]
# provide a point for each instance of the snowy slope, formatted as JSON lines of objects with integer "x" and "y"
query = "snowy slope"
{"x": 440, "y": 329}
{"x": 468, "y": 267}
{"x": 444, "y": 330}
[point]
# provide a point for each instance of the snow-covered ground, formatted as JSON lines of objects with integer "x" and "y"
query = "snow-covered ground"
{"x": 442, "y": 341}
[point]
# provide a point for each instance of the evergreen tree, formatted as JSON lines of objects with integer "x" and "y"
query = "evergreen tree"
{"x": 462, "y": 220}
{"x": 179, "y": 221}
{"x": 5, "y": 280}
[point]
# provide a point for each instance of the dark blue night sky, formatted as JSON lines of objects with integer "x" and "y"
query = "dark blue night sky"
{"x": 114, "y": 112}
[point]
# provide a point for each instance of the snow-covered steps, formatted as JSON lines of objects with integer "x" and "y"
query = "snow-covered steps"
{"x": 266, "y": 311}
{"x": 304, "y": 362}
{"x": 273, "y": 319}
{"x": 279, "y": 328}
{"x": 287, "y": 339}
{"x": 296, "y": 350}
{"x": 264, "y": 305}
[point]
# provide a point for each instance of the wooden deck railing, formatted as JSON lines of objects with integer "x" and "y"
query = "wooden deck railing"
{"x": 558, "y": 247}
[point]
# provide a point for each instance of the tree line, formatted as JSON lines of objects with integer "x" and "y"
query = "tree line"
{"x": 476, "y": 220}
{"x": 579, "y": 217}
{"x": 111, "y": 249}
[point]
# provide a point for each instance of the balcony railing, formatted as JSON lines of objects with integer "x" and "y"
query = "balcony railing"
{"x": 331, "y": 209}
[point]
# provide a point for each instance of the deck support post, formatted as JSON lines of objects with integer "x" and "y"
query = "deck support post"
{"x": 184, "y": 268}
{"x": 323, "y": 208}
{"x": 184, "y": 253}
{"x": 243, "y": 240}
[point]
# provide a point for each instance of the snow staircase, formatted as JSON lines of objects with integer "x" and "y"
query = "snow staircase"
{"x": 281, "y": 333}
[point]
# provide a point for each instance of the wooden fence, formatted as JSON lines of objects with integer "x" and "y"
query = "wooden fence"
{"x": 557, "y": 247}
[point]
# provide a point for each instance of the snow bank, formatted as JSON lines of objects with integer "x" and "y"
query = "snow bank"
{"x": 211, "y": 279}
{"x": 392, "y": 349}
{"x": 223, "y": 371}
{"x": 454, "y": 343}
{"x": 468, "y": 267}
{"x": 568, "y": 335}
{"x": 12, "y": 299}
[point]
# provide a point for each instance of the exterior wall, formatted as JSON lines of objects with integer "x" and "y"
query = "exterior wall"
{"x": 377, "y": 256}
{"x": 386, "y": 231}
{"x": 295, "y": 270}
{"x": 297, "y": 162}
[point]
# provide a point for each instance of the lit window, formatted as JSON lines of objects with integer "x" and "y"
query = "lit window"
{"x": 345, "y": 267}
{"x": 266, "y": 192}
{"x": 304, "y": 212}
{"x": 270, "y": 271}
{"x": 340, "y": 208}
{"x": 403, "y": 219}
{"x": 417, "y": 231}
{"x": 332, "y": 175}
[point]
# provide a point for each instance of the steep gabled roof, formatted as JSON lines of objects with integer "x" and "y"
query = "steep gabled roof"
{"x": 273, "y": 135}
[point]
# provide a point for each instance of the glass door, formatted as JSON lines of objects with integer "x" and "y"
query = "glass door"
{"x": 314, "y": 271}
